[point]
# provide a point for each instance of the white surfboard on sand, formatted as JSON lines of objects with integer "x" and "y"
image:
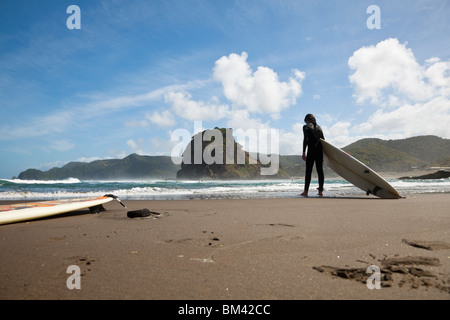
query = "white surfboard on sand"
{"x": 34, "y": 210}
{"x": 357, "y": 173}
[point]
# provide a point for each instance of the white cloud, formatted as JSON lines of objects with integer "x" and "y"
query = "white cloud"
{"x": 388, "y": 65}
{"x": 438, "y": 74}
{"x": 164, "y": 119}
{"x": 292, "y": 142}
{"x": 135, "y": 146}
{"x": 248, "y": 92}
{"x": 187, "y": 108}
{"x": 259, "y": 91}
{"x": 242, "y": 119}
{"x": 411, "y": 99}
{"x": 432, "y": 117}
{"x": 338, "y": 133}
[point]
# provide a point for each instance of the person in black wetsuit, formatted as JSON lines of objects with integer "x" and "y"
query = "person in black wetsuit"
{"x": 312, "y": 133}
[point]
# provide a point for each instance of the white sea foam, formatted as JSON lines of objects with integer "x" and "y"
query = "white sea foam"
{"x": 208, "y": 189}
{"x": 65, "y": 181}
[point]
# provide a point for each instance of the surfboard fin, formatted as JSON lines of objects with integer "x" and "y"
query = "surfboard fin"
{"x": 97, "y": 209}
{"x": 376, "y": 189}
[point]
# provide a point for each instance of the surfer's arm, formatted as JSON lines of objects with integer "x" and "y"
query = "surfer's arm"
{"x": 305, "y": 142}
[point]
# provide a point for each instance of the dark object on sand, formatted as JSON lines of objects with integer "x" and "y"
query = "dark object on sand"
{"x": 441, "y": 174}
{"x": 141, "y": 213}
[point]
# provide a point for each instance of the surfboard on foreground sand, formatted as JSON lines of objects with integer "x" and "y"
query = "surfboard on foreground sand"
{"x": 34, "y": 210}
{"x": 357, "y": 173}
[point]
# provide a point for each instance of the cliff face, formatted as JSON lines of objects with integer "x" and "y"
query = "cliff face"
{"x": 214, "y": 154}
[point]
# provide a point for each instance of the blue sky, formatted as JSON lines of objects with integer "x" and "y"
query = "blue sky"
{"x": 137, "y": 71}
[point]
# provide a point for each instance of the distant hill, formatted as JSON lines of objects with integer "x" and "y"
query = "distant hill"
{"x": 133, "y": 166}
{"x": 377, "y": 155}
{"x": 381, "y": 155}
{"x": 400, "y": 155}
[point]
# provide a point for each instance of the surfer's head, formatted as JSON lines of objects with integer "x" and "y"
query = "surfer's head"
{"x": 310, "y": 118}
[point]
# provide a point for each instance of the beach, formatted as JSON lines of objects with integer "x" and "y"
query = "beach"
{"x": 244, "y": 249}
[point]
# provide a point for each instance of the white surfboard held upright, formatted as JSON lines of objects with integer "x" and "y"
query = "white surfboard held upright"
{"x": 357, "y": 173}
{"x": 34, "y": 210}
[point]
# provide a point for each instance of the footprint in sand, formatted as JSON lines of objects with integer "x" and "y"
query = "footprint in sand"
{"x": 428, "y": 245}
{"x": 403, "y": 271}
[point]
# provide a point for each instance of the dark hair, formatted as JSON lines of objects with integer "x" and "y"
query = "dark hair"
{"x": 310, "y": 117}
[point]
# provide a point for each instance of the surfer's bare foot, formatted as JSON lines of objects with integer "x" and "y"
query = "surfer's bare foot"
{"x": 303, "y": 194}
{"x": 320, "y": 194}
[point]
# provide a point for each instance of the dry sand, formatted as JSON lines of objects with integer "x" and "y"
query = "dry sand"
{"x": 294, "y": 248}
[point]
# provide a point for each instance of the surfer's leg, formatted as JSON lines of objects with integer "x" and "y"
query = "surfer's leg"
{"x": 319, "y": 168}
{"x": 308, "y": 172}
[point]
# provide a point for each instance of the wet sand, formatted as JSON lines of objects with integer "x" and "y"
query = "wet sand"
{"x": 294, "y": 248}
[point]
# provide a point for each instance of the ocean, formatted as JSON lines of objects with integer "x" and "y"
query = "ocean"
{"x": 15, "y": 189}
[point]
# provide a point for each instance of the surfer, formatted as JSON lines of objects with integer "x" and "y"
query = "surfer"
{"x": 312, "y": 133}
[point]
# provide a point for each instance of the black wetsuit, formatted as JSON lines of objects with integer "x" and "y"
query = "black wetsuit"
{"x": 312, "y": 134}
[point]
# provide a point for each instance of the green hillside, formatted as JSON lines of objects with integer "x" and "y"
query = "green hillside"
{"x": 425, "y": 148}
{"x": 379, "y": 157}
{"x": 131, "y": 167}
{"x": 400, "y": 155}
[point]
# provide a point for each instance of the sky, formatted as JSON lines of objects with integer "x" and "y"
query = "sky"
{"x": 120, "y": 77}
